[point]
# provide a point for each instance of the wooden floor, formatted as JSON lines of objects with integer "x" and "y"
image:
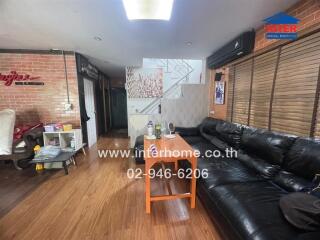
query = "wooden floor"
{"x": 95, "y": 201}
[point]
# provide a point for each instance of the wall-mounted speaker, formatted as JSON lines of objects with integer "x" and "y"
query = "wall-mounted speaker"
{"x": 218, "y": 76}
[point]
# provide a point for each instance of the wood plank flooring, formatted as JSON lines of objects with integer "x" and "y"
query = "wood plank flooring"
{"x": 95, "y": 201}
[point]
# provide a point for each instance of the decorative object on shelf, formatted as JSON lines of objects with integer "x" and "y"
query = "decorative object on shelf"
{"x": 158, "y": 131}
{"x": 219, "y": 93}
{"x": 171, "y": 129}
{"x": 150, "y": 134}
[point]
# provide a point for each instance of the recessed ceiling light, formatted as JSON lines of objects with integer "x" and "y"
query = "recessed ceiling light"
{"x": 148, "y": 9}
{"x": 189, "y": 44}
{"x": 97, "y": 38}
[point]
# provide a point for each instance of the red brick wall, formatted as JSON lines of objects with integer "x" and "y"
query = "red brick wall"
{"x": 45, "y": 103}
{"x": 308, "y": 11}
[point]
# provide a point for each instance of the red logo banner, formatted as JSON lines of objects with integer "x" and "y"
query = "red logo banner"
{"x": 14, "y": 76}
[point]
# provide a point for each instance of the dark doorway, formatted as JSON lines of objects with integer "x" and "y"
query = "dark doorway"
{"x": 119, "y": 108}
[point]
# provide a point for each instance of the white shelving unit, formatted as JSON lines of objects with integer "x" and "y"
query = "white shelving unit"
{"x": 64, "y": 139}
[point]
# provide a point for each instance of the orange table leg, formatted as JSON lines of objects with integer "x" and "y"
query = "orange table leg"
{"x": 148, "y": 188}
{"x": 193, "y": 184}
{"x": 176, "y": 165}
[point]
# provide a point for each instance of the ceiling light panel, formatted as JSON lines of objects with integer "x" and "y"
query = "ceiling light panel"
{"x": 148, "y": 9}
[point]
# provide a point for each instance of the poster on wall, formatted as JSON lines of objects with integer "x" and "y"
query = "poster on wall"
{"x": 144, "y": 82}
{"x": 219, "y": 93}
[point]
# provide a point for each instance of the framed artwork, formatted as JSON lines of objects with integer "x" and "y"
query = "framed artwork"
{"x": 219, "y": 92}
{"x": 144, "y": 82}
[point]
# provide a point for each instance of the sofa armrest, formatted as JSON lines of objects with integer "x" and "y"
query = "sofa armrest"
{"x": 184, "y": 132}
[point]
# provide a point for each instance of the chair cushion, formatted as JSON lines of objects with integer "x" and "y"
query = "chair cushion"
{"x": 253, "y": 209}
{"x": 303, "y": 159}
{"x": 7, "y": 120}
{"x": 269, "y": 146}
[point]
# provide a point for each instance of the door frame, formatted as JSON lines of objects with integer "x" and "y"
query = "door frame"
{"x": 94, "y": 104}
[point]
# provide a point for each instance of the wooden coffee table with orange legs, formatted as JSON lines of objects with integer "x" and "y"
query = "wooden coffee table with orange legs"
{"x": 179, "y": 150}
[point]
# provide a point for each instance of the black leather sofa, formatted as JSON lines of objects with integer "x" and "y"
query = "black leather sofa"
{"x": 242, "y": 193}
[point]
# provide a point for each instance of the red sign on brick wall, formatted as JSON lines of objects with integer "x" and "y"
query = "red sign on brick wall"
{"x": 13, "y": 76}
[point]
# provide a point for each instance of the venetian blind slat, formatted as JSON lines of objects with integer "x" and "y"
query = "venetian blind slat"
{"x": 242, "y": 92}
{"x": 230, "y": 94}
{"x": 295, "y": 86}
{"x": 263, "y": 74}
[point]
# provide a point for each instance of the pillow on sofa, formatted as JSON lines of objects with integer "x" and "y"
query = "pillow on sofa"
{"x": 7, "y": 119}
{"x": 265, "y": 169}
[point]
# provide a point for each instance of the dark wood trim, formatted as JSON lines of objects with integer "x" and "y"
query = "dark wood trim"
{"x": 233, "y": 88}
{"x": 315, "y": 107}
{"x": 32, "y": 51}
{"x": 273, "y": 87}
{"x": 250, "y": 94}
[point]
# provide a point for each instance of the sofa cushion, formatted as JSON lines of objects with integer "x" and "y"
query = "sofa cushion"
{"x": 303, "y": 159}
{"x": 187, "y": 131}
{"x": 225, "y": 171}
{"x": 291, "y": 182}
{"x": 203, "y": 147}
{"x": 269, "y": 146}
{"x": 265, "y": 169}
{"x": 253, "y": 209}
{"x": 7, "y": 120}
{"x": 194, "y": 139}
{"x": 208, "y": 127}
{"x": 220, "y": 144}
{"x": 230, "y": 133}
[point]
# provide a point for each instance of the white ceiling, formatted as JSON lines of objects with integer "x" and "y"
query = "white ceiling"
{"x": 73, "y": 24}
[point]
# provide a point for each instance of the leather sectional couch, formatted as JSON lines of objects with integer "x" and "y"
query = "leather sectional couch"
{"x": 242, "y": 194}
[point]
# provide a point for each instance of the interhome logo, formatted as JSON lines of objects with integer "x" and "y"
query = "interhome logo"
{"x": 14, "y": 76}
{"x": 281, "y": 26}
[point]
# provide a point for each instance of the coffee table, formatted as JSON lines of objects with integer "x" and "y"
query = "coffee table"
{"x": 62, "y": 157}
{"x": 176, "y": 145}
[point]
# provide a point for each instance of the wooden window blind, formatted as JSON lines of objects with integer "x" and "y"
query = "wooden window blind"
{"x": 242, "y": 81}
{"x": 230, "y": 93}
{"x": 263, "y": 76}
{"x": 295, "y": 86}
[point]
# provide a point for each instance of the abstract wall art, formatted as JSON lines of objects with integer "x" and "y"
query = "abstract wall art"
{"x": 144, "y": 82}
